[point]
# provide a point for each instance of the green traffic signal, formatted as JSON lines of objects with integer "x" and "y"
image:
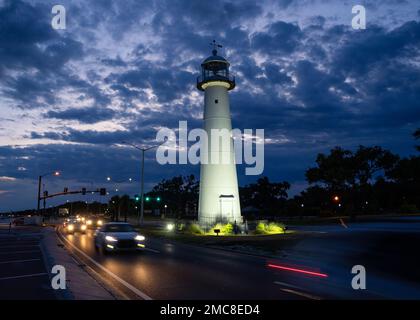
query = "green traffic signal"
{"x": 147, "y": 198}
{"x": 158, "y": 199}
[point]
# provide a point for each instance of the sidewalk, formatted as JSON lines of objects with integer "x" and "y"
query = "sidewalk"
{"x": 80, "y": 285}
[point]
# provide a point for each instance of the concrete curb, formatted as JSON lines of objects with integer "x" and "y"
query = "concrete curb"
{"x": 50, "y": 261}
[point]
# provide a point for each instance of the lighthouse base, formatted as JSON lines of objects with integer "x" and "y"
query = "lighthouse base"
{"x": 207, "y": 222}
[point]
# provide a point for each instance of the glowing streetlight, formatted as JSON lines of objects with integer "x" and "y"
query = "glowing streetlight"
{"x": 54, "y": 173}
{"x": 143, "y": 150}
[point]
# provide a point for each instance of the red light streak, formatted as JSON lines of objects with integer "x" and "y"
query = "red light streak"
{"x": 322, "y": 275}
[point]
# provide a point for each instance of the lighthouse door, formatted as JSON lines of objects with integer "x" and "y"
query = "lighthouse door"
{"x": 226, "y": 206}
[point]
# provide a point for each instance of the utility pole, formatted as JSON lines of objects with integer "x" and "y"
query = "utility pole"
{"x": 39, "y": 193}
{"x": 142, "y": 187}
{"x": 55, "y": 173}
{"x": 143, "y": 150}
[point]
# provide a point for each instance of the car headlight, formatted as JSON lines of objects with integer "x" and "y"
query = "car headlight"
{"x": 170, "y": 226}
{"x": 89, "y": 222}
{"x": 99, "y": 223}
{"x": 110, "y": 239}
{"x": 139, "y": 238}
{"x": 70, "y": 227}
{"x": 83, "y": 227}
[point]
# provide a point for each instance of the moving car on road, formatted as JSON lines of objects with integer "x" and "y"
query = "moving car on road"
{"x": 94, "y": 222}
{"x": 118, "y": 236}
{"x": 74, "y": 226}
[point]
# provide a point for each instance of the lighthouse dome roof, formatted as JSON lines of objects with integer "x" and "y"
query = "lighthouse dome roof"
{"x": 215, "y": 58}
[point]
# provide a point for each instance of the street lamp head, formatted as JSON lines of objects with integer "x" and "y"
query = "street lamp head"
{"x": 56, "y": 173}
{"x": 108, "y": 178}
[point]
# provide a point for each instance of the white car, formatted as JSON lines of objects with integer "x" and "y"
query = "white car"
{"x": 118, "y": 236}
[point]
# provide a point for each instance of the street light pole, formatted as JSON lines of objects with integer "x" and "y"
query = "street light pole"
{"x": 142, "y": 186}
{"x": 55, "y": 173}
{"x": 143, "y": 150}
{"x": 39, "y": 193}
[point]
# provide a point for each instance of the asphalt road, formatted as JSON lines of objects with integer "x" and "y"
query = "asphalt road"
{"x": 171, "y": 270}
{"x": 23, "y": 274}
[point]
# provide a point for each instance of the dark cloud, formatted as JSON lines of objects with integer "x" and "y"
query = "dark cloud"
{"x": 281, "y": 38}
{"x": 311, "y": 86}
{"x": 83, "y": 115}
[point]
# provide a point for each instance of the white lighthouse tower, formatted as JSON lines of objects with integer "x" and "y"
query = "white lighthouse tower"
{"x": 219, "y": 196}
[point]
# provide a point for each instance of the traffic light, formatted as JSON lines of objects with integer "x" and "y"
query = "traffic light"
{"x": 84, "y": 191}
{"x": 102, "y": 191}
{"x": 147, "y": 199}
{"x": 136, "y": 198}
{"x": 158, "y": 199}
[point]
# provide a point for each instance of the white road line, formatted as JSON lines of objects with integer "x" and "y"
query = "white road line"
{"x": 151, "y": 250}
{"x": 284, "y": 284}
{"x": 19, "y": 261}
{"x": 113, "y": 275}
{"x": 13, "y": 252}
{"x": 21, "y": 246}
{"x": 343, "y": 223}
{"x": 302, "y": 294}
{"x": 25, "y": 276}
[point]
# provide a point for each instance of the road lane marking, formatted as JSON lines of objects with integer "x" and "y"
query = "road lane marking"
{"x": 25, "y": 276}
{"x": 343, "y": 224}
{"x": 151, "y": 250}
{"x": 287, "y": 285}
{"x": 19, "y": 261}
{"x": 20, "y": 246}
{"x": 302, "y": 294}
{"x": 13, "y": 252}
{"x": 113, "y": 275}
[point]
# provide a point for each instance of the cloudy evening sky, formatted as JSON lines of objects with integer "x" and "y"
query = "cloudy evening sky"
{"x": 123, "y": 69}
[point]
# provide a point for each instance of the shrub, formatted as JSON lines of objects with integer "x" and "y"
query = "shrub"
{"x": 269, "y": 228}
{"x": 260, "y": 229}
{"x": 275, "y": 228}
{"x": 225, "y": 229}
{"x": 194, "y": 229}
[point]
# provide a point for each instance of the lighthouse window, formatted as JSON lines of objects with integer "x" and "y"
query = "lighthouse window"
{"x": 216, "y": 101}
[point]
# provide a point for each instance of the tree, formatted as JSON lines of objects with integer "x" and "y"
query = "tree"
{"x": 416, "y": 135}
{"x": 367, "y": 161}
{"x": 267, "y": 196}
{"x": 335, "y": 171}
{"x": 179, "y": 193}
{"x": 351, "y": 175}
{"x": 118, "y": 205}
{"x": 406, "y": 175}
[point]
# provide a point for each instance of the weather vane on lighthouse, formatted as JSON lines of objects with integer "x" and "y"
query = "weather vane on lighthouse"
{"x": 215, "y": 45}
